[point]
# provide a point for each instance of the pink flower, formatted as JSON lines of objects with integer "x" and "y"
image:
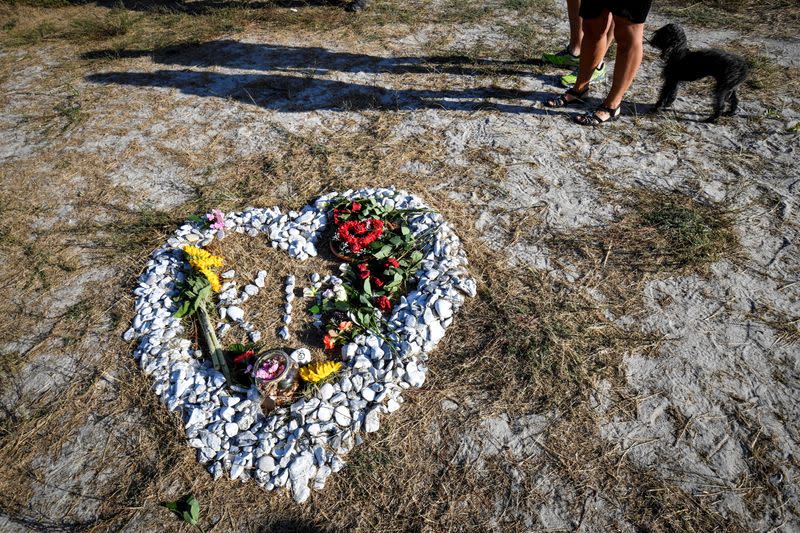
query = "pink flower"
{"x": 217, "y": 219}
{"x": 269, "y": 370}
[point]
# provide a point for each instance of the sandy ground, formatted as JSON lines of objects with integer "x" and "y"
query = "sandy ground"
{"x": 726, "y": 378}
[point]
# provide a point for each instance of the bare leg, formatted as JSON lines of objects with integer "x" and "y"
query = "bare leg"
{"x": 609, "y": 38}
{"x": 593, "y": 48}
{"x": 575, "y": 30}
{"x": 630, "y": 38}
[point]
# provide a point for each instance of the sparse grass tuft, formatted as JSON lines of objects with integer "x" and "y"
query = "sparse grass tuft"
{"x": 776, "y": 18}
{"x": 115, "y": 23}
{"x": 694, "y": 235}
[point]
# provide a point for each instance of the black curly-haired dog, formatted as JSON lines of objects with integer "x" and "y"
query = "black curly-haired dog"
{"x": 682, "y": 64}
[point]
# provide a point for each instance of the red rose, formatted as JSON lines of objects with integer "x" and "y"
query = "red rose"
{"x": 243, "y": 356}
{"x": 383, "y": 303}
{"x": 360, "y": 233}
{"x": 355, "y": 207}
{"x": 362, "y": 269}
{"x": 378, "y": 282}
{"x": 391, "y": 263}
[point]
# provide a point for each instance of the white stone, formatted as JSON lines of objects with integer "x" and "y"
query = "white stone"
{"x": 252, "y": 290}
{"x": 326, "y": 391}
{"x": 302, "y": 356}
{"x": 266, "y": 463}
{"x": 236, "y": 313}
{"x": 349, "y": 351}
{"x": 371, "y": 421}
{"x": 342, "y": 415}
{"x": 324, "y": 413}
{"x": 443, "y": 308}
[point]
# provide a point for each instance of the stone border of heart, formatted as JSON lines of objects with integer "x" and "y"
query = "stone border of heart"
{"x": 299, "y": 446}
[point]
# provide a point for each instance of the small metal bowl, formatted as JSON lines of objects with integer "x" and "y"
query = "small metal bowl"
{"x": 284, "y": 380}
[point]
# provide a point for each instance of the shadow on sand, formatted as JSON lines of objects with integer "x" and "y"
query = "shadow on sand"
{"x": 291, "y": 85}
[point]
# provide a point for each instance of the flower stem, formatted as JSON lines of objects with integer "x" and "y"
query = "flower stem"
{"x": 217, "y": 357}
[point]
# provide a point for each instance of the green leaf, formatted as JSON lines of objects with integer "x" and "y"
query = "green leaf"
{"x": 314, "y": 310}
{"x": 404, "y": 230}
{"x": 396, "y": 240}
{"x": 367, "y": 287}
{"x": 183, "y": 309}
{"x": 172, "y": 506}
{"x": 383, "y": 253}
{"x": 194, "y": 509}
{"x": 236, "y": 348}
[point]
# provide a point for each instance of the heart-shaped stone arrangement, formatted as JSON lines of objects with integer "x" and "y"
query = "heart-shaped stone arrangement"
{"x": 298, "y": 446}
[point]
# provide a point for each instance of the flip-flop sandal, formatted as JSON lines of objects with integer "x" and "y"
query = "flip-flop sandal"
{"x": 561, "y": 101}
{"x": 593, "y": 119}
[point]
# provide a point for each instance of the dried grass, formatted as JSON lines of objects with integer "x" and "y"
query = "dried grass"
{"x": 529, "y": 343}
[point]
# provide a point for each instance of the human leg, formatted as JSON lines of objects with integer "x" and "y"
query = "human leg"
{"x": 593, "y": 47}
{"x": 594, "y": 34}
{"x": 575, "y": 30}
{"x": 630, "y": 49}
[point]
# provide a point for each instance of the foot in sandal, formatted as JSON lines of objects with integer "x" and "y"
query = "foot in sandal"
{"x": 599, "y": 116}
{"x": 570, "y": 97}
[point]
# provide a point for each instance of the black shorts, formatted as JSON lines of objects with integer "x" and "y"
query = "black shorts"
{"x": 634, "y": 10}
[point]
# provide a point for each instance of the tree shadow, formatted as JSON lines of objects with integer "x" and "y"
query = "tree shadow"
{"x": 291, "y": 84}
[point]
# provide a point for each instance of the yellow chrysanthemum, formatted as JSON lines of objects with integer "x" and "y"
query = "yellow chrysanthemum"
{"x": 213, "y": 261}
{"x": 319, "y": 370}
{"x": 212, "y": 278}
{"x": 195, "y": 253}
{"x": 202, "y": 261}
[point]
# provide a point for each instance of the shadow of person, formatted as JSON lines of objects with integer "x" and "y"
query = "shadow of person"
{"x": 273, "y": 57}
{"x": 203, "y": 6}
{"x": 297, "y": 78}
{"x": 290, "y": 93}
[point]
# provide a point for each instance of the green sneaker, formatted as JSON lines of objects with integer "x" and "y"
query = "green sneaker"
{"x": 562, "y": 59}
{"x": 599, "y": 74}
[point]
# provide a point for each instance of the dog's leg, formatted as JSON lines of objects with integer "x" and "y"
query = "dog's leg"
{"x": 721, "y": 95}
{"x": 734, "y": 103}
{"x": 668, "y": 94}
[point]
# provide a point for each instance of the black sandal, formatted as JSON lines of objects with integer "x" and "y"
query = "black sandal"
{"x": 593, "y": 119}
{"x": 561, "y": 101}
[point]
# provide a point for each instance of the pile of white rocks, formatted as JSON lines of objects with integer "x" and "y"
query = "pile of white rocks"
{"x": 298, "y": 446}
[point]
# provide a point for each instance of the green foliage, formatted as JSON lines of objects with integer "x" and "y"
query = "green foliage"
{"x": 187, "y": 509}
{"x": 194, "y": 292}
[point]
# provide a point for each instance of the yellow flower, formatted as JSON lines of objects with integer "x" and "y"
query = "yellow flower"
{"x": 319, "y": 370}
{"x": 213, "y": 261}
{"x": 195, "y": 253}
{"x": 212, "y": 278}
{"x": 202, "y": 261}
